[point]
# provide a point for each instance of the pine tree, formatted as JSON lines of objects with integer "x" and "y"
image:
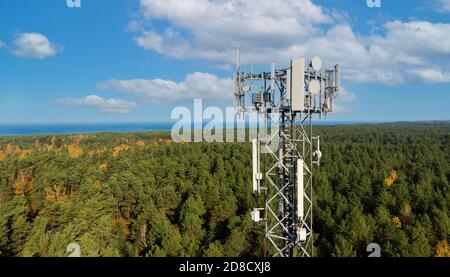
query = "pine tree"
{"x": 343, "y": 248}
{"x": 191, "y": 223}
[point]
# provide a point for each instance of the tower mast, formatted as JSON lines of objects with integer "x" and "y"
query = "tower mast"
{"x": 294, "y": 95}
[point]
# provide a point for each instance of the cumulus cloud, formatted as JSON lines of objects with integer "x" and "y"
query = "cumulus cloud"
{"x": 282, "y": 29}
{"x": 443, "y": 6}
{"x": 2, "y": 44}
{"x": 170, "y": 43}
{"x": 431, "y": 75}
{"x": 393, "y": 59}
{"x": 252, "y": 19}
{"x": 99, "y": 104}
{"x": 216, "y": 27}
{"x": 34, "y": 45}
{"x": 196, "y": 85}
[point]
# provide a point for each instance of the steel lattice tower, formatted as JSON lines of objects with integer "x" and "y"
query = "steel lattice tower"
{"x": 287, "y": 100}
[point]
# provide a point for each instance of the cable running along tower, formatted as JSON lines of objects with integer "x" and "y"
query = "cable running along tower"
{"x": 287, "y": 99}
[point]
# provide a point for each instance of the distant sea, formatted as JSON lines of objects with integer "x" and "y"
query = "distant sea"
{"x": 87, "y": 128}
{"x": 80, "y": 128}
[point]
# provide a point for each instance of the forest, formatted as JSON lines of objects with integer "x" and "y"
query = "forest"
{"x": 142, "y": 195}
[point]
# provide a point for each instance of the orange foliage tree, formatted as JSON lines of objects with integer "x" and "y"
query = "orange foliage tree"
{"x": 397, "y": 222}
{"x": 390, "y": 181}
{"x": 442, "y": 249}
{"x": 55, "y": 194}
{"x": 120, "y": 148}
{"x": 75, "y": 151}
{"x": 104, "y": 167}
{"x": 140, "y": 143}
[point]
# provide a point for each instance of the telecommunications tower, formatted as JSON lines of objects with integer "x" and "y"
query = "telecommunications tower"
{"x": 287, "y": 99}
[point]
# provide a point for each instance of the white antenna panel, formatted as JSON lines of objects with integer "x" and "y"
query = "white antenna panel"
{"x": 300, "y": 190}
{"x": 257, "y": 176}
{"x": 288, "y": 86}
{"x": 314, "y": 86}
{"x": 255, "y": 164}
{"x": 298, "y": 85}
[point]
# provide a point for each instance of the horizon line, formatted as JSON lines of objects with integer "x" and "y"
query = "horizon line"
{"x": 207, "y": 121}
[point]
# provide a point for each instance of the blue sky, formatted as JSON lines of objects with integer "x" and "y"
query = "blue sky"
{"x": 134, "y": 61}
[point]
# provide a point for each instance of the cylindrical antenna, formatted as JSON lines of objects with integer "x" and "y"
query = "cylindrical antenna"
{"x": 272, "y": 78}
{"x": 238, "y": 99}
{"x": 330, "y": 80}
{"x": 337, "y": 77}
{"x": 238, "y": 58}
{"x": 251, "y": 76}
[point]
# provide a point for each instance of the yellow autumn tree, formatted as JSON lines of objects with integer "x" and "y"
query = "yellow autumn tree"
{"x": 390, "y": 181}
{"x": 104, "y": 167}
{"x": 78, "y": 138}
{"x": 442, "y": 249}
{"x": 9, "y": 149}
{"x": 24, "y": 153}
{"x": 140, "y": 143}
{"x": 2, "y": 155}
{"x": 164, "y": 141}
{"x": 75, "y": 151}
{"x": 397, "y": 222}
{"x": 55, "y": 194}
{"x": 120, "y": 148}
{"x": 98, "y": 184}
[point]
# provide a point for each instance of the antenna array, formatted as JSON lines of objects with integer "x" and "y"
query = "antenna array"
{"x": 294, "y": 95}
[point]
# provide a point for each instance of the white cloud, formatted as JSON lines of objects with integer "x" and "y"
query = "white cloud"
{"x": 170, "y": 44}
{"x": 196, "y": 85}
{"x": 99, "y": 104}
{"x": 282, "y": 29}
{"x": 431, "y": 75}
{"x": 252, "y": 19}
{"x": 34, "y": 45}
{"x": 216, "y": 27}
{"x": 343, "y": 101}
{"x": 2, "y": 44}
{"x": 389, "y": 59}
{"x": 134, "y": 26}
{"x": 443, "y": 6}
